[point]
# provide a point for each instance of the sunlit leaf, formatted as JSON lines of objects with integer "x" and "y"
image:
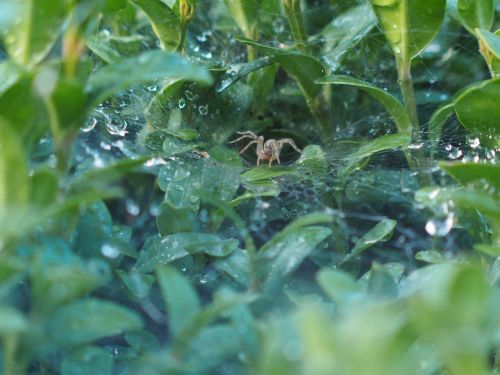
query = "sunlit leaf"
{"x": 164, "y": 21}
{"x": 476, "y": 14}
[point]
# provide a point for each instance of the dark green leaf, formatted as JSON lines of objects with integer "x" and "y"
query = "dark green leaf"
{"x": 171, "y": 220}
{"x": 429, "y": 256}
{"x": 339, "y": 286}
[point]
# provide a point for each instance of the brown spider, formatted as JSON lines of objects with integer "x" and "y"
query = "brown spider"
{"x": 268, "y": 150}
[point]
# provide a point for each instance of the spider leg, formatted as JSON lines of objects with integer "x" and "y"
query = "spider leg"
{"x": 276, "y": 152}
{"x": 291, "y": 143}
{"x": 243, "y": 137}
{"x": 258, "y": 161}
{"x": 248, "y": 145}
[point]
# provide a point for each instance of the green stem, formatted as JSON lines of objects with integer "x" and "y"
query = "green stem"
{"x": 321, "y": 113}
{"x": 406, "y": 85}
{"x": 296, "y": 22}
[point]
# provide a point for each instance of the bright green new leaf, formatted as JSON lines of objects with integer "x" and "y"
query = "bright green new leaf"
{"x": 88, "y": 320}
{"x": 392, "y": 105}
{"x": 166, "y": 249}
{"x": 164, "y": 21}
{"x": 181, "y": 301}
{"x": 31, "y": 37}
{"x": 379, "y": 232}
{"x": 476, "y": 14}
{"x": 148, "y": 66}
{"x": 409, "y": 25}
{"x": 478, "y": 109}
{"x": 490, "y": 48}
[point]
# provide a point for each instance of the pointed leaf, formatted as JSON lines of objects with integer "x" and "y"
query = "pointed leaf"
{"x": 476, "y": 14}
{"x": 392, "y": 105}
{"x": 180, "y": 298}
{"x": 164, "y": 21}
{"x": 378, "y": 233}
{"x": 148, "y": 66}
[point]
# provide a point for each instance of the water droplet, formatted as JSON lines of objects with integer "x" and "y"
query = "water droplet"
{"x": 116, "y": 125}
{"x": 278, "y": 25}
{"x": 132, "y": 207}
{"x": 473, "y": 141}
{"x": 182, "y": 103}
{"x": 89, "y": 125}
{"x": 439, "y": 227}
{"x": 109, "y": 251}
{"x": 189, "y": 95}
{"x": 203, "y": 109}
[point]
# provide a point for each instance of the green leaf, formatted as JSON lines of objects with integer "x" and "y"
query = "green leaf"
{"x": 283, "y": 254}
{"x": 264, "y": 173}
{"x": 392, "y": 105}
{"x": 478, "y": 109}
{"x": 430, "y": 256}
{"x": 142, "y": 340}
{"x": 12, "y": 321}
{"x": 304, "y": 68}
{"x": 137, "y": 284}
{"x": 345, "y": 31}
{"x": 33, "y": 34}
{"x": 112, "y": 49}
{"x": 379, "y": 232}
{"x": 313, "y": 159}
{"x": 166, "y": 249}
{"x": 14, "y": 182}
{"x": 409, "y": 25}
{"x": 236, "y": 72}
{"x": 476, "y": 14}
{"x": 339, "y": 286}
{"x": 244, "y": 12}
{"x": 381, "y": 282}
{"x": 10, "y": 72}
{"x": 164, "y": 21}
{"x": 235, "y": 266}
{"x": 88, "y": 320}
{"x": 490, "y": 48}
{"x": 87, "y": 360}
{"x": 171, "y": 220}
{"x": 148, "y": 66}
{"x": 383, "y": 143}
{"x": 466, "y": 173}
{"x": 180, "y": 298}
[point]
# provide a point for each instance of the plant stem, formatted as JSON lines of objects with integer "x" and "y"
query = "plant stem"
{"x": 296, "y": 22}
{"x": 406, "y": 85}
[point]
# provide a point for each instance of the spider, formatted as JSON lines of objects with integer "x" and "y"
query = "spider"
{"x": 268, "y": 150}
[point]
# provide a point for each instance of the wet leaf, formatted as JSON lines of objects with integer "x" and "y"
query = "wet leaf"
{"x": 148, "y": 66}
{"x": 30, "y": 38}
{"x": 409, "y": 25}
{"x": 181, "y": 301}
{"x": 466, "y": 173}
{"x": 112, "y": 48}
{"x": 138, "y": 284}
{"x": 476, "y": 14}
{"x": 379, "y": 232}
{"x": 264, "y": 173}
{"x": 313, "y": 159}
{"x": 171, "y": 220}
{"x": 166, "y": 249}
{"x": 235, "y": 73}
{"x": 345, "y": 31}
{"x": 283, "y": 254}
{"x": 392, "y": 105}
{"x": 88, "y": 320}
{"x": 164, "y": 21}
{"x": 478, "y": 108}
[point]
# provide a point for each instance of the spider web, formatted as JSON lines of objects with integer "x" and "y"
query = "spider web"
{"x": 383, "y": 188}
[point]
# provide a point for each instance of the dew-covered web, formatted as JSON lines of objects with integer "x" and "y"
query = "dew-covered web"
{"x": 382, "y": 186}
